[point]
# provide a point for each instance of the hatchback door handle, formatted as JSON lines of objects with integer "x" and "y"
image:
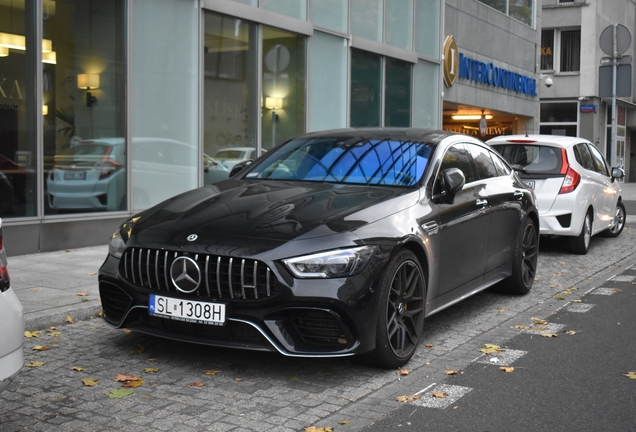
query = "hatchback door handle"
{"x": 482, "y": 202}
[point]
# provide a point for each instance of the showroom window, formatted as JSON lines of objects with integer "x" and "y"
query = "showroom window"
{"x": 559, "y": 118}
{"x": 18, "y": 158}
{"x": 283, "y": 83}
{"x": 164, "y": 100}
{"x": 561, "y": 50}
{"x": 230, "y": 93}
{"x": 367, "y": 90}
{"x": 83, "y": 106}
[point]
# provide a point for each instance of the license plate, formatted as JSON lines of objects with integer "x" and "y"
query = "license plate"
{"x": 74, "y": 175}
{"x": 187, "y": 310}
{"x": 529, "y": 183}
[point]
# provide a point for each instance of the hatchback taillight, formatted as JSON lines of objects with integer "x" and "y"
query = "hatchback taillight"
{"x": 106, "y": 167}
{"x": 572, "y": 178}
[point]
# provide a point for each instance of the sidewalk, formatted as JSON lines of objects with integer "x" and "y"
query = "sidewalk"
{"x": 54, "y": 285}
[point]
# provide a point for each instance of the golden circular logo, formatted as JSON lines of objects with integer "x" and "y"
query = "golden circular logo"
{"x": 451, "y": 61}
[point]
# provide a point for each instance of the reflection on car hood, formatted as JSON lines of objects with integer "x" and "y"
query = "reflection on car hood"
{"x": 275, "y": 210}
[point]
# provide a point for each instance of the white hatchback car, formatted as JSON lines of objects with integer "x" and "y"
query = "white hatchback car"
{"x": 577, "y": 193}
{"x": 11, "y": 323}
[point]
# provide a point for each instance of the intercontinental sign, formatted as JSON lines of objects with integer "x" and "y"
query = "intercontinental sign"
{"x": 457, "y": 65}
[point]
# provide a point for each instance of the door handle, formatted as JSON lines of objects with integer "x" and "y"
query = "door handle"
{"x": 482, "y": 202}
{"x": 518, "y": 194}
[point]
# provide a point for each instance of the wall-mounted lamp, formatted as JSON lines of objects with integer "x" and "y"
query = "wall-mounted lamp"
{"x": 45, "y": 110}
{"x": 88, "y": 82}
{"x": 4, "y": 51}
{"x": 49, "y": 57}
{"x": 273, "y": 103}
{"x": 470, "y": 117}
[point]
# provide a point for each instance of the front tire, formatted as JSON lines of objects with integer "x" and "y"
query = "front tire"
{"x": 618, "y": 223}
{"x": 581, "y": 243}
{"x": 524, "y": 263}
{"x": 401, "y": 313}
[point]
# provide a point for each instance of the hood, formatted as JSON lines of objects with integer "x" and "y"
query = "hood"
{"x": 274, "y": 210}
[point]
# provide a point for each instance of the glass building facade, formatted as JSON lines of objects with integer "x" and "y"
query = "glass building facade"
{"x": 108, "y": 107}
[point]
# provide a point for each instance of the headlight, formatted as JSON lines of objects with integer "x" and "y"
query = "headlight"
{"x": 331, "y": 264}
{"x": 116, "y": 245}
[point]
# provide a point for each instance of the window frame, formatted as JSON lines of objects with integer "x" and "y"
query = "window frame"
{"x": 558, "y": 50}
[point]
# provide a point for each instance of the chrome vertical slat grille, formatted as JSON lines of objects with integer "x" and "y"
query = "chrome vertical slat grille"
{"x": 234, "y": 278}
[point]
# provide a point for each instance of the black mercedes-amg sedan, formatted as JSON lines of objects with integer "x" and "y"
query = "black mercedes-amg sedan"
{"x": 332, "y": 244}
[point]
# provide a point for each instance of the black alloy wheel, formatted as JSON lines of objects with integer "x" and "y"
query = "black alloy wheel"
{"x": 524, "y": 265}
{"x": 618, "y": 223}
{"x": 401, "y": 314}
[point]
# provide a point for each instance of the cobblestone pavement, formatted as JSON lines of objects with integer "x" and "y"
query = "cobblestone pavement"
{"x": 253, "y": 391}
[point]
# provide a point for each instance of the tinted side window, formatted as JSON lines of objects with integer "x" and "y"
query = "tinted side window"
{"x": 484, "y": 164}
{"x": 457, "y": 157}
{"x": 584, "y": 157}
{"x": 601, "y": 166}
{"x": 502, "y": 167}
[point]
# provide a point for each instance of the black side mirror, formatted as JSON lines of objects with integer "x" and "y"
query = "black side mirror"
{"x": 454, "y": 180}
{"x": 239, "y": 167}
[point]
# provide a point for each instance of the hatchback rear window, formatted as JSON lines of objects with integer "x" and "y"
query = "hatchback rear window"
{"x": 536, "y": 159}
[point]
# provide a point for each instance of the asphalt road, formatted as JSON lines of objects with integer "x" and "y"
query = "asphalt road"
{"x": 573, "y": 381}
{"x": 557, "y": 380}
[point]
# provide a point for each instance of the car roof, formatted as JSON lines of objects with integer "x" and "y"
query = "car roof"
{"x": 433, "y": 136}
{"x": 552, "y": 140}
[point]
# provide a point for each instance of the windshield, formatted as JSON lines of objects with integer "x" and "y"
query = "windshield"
{"x": 536, "y": 159}
{"x": 350, "y": 161}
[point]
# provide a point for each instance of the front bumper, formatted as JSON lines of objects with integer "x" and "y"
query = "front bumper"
{"x": 299, "y": 317}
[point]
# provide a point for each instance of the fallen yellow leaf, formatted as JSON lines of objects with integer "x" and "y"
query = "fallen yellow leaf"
{"x": 124, "y": 378}
{"x": 127, "y": 331}
{"x": 402, "y": 372}
{"x": 507, "y": 369}
{"x": 31, "y": 334}
{"x": 151, "y": 370}
{"x": 428, "y": 345}
{"x": 238, "y": 379}
{"x": 549, "y": 335}
{"x": 77, "y": 369}
{"x": 630, "y": 375}
{"x": 450, "y": 372}
{"x": 81, "y": 294}
{"x": 315, "y": 429}
{"x": 69, "y": 320}
{"x": 34, "y": 364}
{"x": 133, "y": 384}
{"x": 519, "y": 326}
{"x": 539, "y": 321}
{"x": 558, "y": 297}
{"x": 343, "y": 422}
{"x": 577, "y": 301}
{"x": 440, "y": 395}
{"x": 196, "y": 384}
{"x": 41, "y": 348}
{"x": 92, "y": 273}
{"x": 490, "y": 349}
{"x": 407, "y": 398}
{"x": 570, "y": 332}
{"x": 212, "y": 372}
{"x": 140, "y": 349}
{"x": 90, "y": 382}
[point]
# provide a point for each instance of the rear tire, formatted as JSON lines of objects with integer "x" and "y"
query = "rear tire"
{"x": 618, "y": 223}
{"x": 581, "y": 243}
{"x": 524, "y": 263}
{"x": 400, "y": 318}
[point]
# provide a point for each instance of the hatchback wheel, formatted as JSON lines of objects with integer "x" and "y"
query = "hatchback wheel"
{"x": 401, "y": 312}
{"x": 618, "y": 223}
{"x": 581, "y": 243}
